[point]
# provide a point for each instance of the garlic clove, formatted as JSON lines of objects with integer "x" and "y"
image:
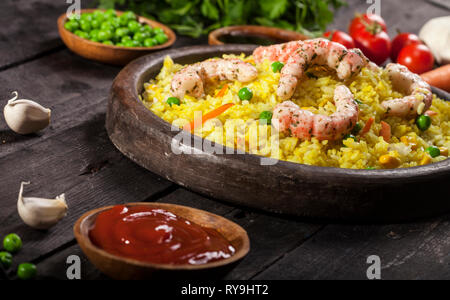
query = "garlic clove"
{"x": 436, "y": 35}
{"x": 26, "y": 116}
{"x": 41, "y": 213}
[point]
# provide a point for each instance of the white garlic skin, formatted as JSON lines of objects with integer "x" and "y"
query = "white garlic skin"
{"x": 436, "y": 35}
{"x": 26, "y": 116}
{"x": 41, "y": 213}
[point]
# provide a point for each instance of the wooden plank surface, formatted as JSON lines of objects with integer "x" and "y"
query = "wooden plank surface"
{"x": 80, "y": 162}
{"x": 74, "y": 88}
{"x": 28, "y": 29}
{"x": 407, "y": 251}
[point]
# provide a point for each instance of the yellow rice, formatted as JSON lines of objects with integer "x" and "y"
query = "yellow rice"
{"x": 314, "y": 93}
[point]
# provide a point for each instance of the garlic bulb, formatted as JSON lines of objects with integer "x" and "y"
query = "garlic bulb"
{"x": 41, "y": 213}
{"x": 26, "y": 116}
{"x": 436, "y": 34}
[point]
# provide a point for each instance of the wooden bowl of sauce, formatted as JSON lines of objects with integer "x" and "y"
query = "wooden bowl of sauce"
{"x": 160, "y": 240}
{"x": 253, "y": 34}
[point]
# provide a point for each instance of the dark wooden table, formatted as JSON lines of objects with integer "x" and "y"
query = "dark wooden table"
{"x": 75, "y": 156}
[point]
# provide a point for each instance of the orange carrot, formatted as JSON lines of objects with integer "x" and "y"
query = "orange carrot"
{"x": 439, "y": 77}
{"x": 367, "y": 126}
{"x": 222, "y": 91}
{"x": 210, "y": 115}
{"x": 430, "y": 113}
{"x": 385, "y": 131}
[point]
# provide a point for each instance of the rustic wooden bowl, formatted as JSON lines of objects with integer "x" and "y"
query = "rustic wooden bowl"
{"x": 273, "y": 33}
{"x": 118, "y": 267}
{"x": 114, "y": 55}
{"x": 291, "y": 188}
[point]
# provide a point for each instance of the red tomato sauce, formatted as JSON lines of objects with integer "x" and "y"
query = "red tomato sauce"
{"x": 157, "y": 236}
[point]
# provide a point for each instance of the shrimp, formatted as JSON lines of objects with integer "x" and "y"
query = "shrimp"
{"x": 278, "y": 52}
{"x": 419, "y": 96}
{"x": 303, "y": 124}
{"x": 299, "y": 55}
{"x": 192, "y": 78}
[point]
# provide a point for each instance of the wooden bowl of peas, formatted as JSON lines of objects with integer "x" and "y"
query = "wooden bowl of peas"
{"x": 111, "y": 36}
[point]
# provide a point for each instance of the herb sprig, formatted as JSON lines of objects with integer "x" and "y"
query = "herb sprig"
{"x": 197, "y": 17}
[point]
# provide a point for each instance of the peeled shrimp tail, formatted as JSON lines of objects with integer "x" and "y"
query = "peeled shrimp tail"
{"x": 319, "y": 52}
{"x": 303, "y": 124}
{"x": 418, "y": 93}
{"x": 192, "y": 79}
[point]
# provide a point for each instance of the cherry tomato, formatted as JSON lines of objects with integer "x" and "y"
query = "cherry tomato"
{"x": 417, "y": 58}
{"x": 376, "y": 45}
{"x": 341, "y": 38}
{"x": 362, "y": 21}
{"x": 401, "y": 41}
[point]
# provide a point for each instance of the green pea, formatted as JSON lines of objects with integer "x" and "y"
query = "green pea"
{"x": 133, "y": 26}
{"x": 147, "y": 28}
{"x": 120, "y": 45}
{"x": 123, "y": 20}
{"x": 123, "y": 31}
{"x": 371, "y": 168}
{"x": 106, "y": 26}
{"x": 72, "y": 25}
{"x": 12, "y": 243}
{"x": 350, "y": 136}
{"x": 108, "y": 43}
{"x": 85, "y": 25}
{"x": 433, "y": 151}
{"x": 74, "y": 17}
{"x": 161, "y": 38}
{"x": 129, "y": 15}
{"x": 265, "y": 117}
{"x": 94, "y": 34}
{"x": 104, "y": 35}
{"x": 125, "y": 39}
{"x": 132, "y": 43}
{"x": 5, "y": 259}
{"x": 356, "y": 129}
{"x": 95, "y": 24}
{"x": 140, "y": 36}
{"x": 82, "y": 34}
{"x": 115, "y": 22}
{"x": 245, "y": 94}
{"x": 26, "y": 271}
{"x": 110, "y": 13}
{"x": 99, "y": 16}
{"x": 423, "y": 122}
{"x": 157, "y": 30}
{"x": 87, "y": 17}
{"x": 277, "y": 66}
{"x": 149, "y": 42}
{"x": 173, "y": 100}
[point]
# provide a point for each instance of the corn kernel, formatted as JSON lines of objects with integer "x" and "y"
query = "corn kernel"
{"x": 389, "y": 161}
{"x": 409, "y": 141}
{"x": 425, "y": 160}
{"x": 444, "y": 151}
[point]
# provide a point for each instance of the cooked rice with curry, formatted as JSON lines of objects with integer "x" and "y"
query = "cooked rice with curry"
{"x": 311, "y": 102}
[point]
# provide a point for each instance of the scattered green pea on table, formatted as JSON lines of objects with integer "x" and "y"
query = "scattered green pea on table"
{"x": 108, "y": 28}
{"x": 5, "y": 259}
{"x": 12, "y": 243}
{"x": 26, "y": 271}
